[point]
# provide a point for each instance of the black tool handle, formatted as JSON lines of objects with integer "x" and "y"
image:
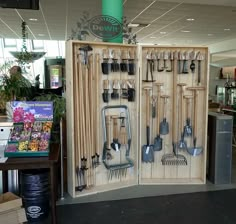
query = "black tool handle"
{"x": 199, "y": 72}
{"x": 148, "y": 134}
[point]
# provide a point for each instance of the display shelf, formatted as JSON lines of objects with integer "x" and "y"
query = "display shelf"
{"x": 87, "y": 125}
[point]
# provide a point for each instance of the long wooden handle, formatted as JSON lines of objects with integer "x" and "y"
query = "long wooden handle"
{"x": 148, "y": 107}
{"x": 115, "y": 127}
{"x": 158, "y": 108}
{"x": 107, "y": 122}
{"x": 174, "y": 131}
{"x": 195, "y": 111}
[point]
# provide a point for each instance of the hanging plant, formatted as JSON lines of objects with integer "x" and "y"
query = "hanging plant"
{"x": 24, "y": 56}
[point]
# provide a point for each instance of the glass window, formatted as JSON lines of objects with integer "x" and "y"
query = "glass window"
{"x": 37, "y": 44}
{"x": 9, "y": 42}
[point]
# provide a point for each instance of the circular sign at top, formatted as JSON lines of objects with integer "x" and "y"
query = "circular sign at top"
{"x": 105, "y": 27}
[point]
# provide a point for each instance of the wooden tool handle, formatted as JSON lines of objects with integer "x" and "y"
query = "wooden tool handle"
{"x": 107, "y": 121}
{"x": 148, "y": 107}
{"x": 181, "y": 85}
{"x": 106, "y": 84}
{"x": 115, "y": 127}
{"x": 195, "y": 112}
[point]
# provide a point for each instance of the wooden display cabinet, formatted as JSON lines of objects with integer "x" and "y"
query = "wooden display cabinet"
{"x": 92, "y": 117}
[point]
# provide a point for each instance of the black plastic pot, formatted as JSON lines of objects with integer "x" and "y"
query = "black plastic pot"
{"x": 35, "y": 194}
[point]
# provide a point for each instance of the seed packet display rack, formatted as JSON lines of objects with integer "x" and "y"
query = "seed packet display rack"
{"x": 113, "y": 91}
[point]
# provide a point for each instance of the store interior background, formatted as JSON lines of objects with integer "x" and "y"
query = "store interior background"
{"x": 165, "y": 23}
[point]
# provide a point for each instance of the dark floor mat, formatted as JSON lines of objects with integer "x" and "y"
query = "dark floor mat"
{"x": 217, "y": 207}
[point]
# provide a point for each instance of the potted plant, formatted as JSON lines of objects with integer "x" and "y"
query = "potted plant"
{"x": 12, "y": 87}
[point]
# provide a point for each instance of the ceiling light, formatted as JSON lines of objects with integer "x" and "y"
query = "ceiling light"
{"x": 162, "y": 32}
{"x": 153, "y": 37}
{"x": 133, "y": 24}
{"x": 227, "y": 29}
{"x": 41, "y": 35}
{"x": 209, "y": 34}
{"x": 190, "y": 19}
{"x": 185, "y": 31}
{"x": 33, "y": 19}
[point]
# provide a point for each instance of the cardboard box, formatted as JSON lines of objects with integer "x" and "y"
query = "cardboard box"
{"x": 9, "y": 202}
{"x": 13, "y": 216}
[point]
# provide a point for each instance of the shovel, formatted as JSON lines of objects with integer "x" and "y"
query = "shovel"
{"x": 164, "y": 125}
{"x": 115, "y": 144}
{"x": 182, "y": 144}
{"x": 158, "y": 139}
{"x": 195, "y": 150}
{"x": 147, "y": 150}
{"x": 188, "y": 128}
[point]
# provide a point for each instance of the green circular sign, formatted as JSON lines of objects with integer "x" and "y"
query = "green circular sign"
{"x": 105, "y": 27}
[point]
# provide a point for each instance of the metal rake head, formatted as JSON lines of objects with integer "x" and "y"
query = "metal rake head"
{"x": 174, "y": 160}
{"x": 117, "y": 172}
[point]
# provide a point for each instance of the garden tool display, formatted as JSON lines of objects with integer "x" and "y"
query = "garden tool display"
{"x": 106, "y": 65}
{"x": 188, "y": 130}
{"x": 115, "y": 66}
{"x": 200, "y": 57}
{"x": 116, "y": 88}
{"x": 164, "y": 125}
{"x": 185, "y": 62}
{"x": 131, "y": 90}
{"x": 158, "y": 140}
{"x": 131, "y": 63}
{"x": 147, "y": 150}
{"x": 182, "y": 144}
{"x": 116, "y": 169}
{"x": 154, "y": 105}
{"x": 192, "y": 56}
{"x": 174, "y": 158}
{"x": 195, "y": 150}
{"x": 149, "y": 66}
{"x": 106, "y": 94}
{"x": 124, "y": 61}
{"x": 115, "y": 144}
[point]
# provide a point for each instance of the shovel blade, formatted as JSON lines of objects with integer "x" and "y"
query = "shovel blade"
{"x": 195, "y": 151}
{"x": 164, "y": 127}
{"x": 147, "y": 154}
{"x": 182, "y": 145}
{"x": 157, "y": 146}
